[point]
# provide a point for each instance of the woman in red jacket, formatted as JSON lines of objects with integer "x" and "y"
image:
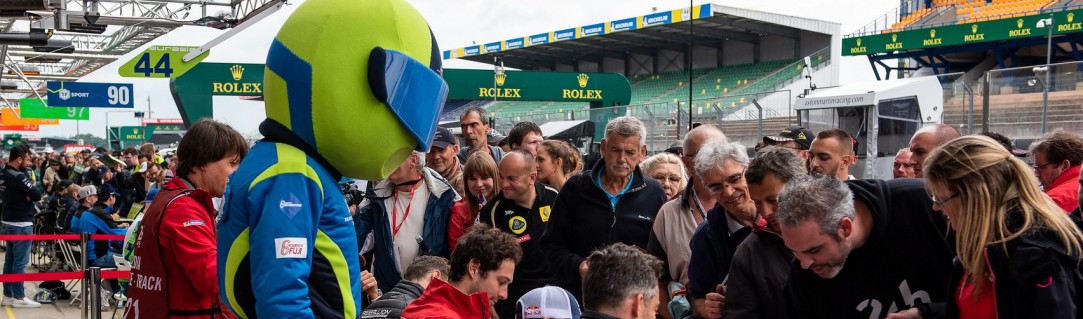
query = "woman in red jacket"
{"x": 479, "y": 174}
{"x": 175, "y": 268}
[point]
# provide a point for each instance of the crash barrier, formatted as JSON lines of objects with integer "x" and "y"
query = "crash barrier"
{"x": 89, "y": 276}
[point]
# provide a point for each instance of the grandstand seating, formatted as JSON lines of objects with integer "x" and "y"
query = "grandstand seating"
{"x": 970, "y": 11}
{"x": 670, "y": 87}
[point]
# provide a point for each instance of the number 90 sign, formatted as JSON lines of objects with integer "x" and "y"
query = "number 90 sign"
{"x": 69, "y": 94}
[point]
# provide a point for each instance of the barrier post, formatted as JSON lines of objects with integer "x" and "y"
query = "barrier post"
{"x": 84, "y": 238}
{"x": 95, "y": 297}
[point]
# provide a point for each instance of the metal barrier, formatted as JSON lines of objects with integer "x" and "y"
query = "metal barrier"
{"x": 91, "y": 277}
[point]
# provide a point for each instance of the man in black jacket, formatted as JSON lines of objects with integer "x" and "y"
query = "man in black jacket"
{"x": 864, "y": 249}
{"x": 721, "y": 166}
{"x": 415, "y": 279}
{"x": 761, "y": 264}
{"x": 611, "y": 203}
{"x": 18, "y": 219}
{"x": 522, "y": 209}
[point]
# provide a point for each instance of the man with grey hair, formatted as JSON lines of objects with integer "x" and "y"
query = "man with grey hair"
{"x": 622, "y": 283}
{"x": 925, "y": 141}
{"x": 721, "y": 166}
{"x": 761, "y": 264}
{"x": 864, "y": 249}
{"x": 413, "y": 202}
{"x": 610, "y": 203}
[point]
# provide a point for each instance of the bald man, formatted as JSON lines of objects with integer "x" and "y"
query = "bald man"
{"x": 925, "y": 141}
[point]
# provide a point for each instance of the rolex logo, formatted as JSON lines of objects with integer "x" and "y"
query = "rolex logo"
{"x": 500, "y": 79}
{"x": 583, "y": 78}
{"x": 858, "y": 41}
{"x": 894, "y": 38}
{"x": 1071, "y": 15}
{"x": 932, "y": 33}
{"x": 135, "y": 131}
{"x": 974, "y": 28}
{"x": 238, "y": 71}
{"x": 1019, "y": 23}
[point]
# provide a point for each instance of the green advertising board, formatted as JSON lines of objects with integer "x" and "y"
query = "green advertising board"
{"x": 160, "y": 61}
{"x": 33, "y": 108}
{"x": 960, "y": 34}
{"x": 193, "y": 92}
{"x": 603, "y": 89}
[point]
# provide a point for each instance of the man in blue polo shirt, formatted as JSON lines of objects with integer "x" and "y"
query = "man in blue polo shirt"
{"x": 610, "y": 203}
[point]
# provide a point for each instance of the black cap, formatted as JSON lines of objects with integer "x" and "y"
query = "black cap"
{"x": 801, "y": 135}
{"x": 107, "y": 189}
{"x": 443, "y": 138}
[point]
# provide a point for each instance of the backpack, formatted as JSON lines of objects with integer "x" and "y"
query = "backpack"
{"x": 57, "y": 289}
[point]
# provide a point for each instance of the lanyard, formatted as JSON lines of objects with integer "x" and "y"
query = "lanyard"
{"x": 395, "y": 211}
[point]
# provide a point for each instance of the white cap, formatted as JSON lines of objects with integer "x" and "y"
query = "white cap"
{"x": 547, "y": 302}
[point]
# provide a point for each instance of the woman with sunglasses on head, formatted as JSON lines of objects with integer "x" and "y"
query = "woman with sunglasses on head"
{"x": 480, "y": 174}
{"x": 1019, "y": 255}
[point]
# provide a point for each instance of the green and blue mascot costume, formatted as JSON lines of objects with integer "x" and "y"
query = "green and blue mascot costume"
{"x": 352, "y": 87}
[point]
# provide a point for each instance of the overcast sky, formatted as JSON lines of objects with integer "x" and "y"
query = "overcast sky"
{"x": 456, "y": 24}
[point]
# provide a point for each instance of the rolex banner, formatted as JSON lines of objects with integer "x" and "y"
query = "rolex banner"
{"x": 959, "y": 34}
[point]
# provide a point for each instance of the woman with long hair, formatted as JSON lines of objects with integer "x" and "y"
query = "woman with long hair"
{"x": 480, "y": 174}
{"x": 1019, "y": 254}
{"x": 557, "y": 161}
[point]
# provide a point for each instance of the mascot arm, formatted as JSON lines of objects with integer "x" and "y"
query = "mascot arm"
{"x": 282, "y": 244}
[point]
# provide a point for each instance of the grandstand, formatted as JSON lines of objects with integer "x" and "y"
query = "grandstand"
{"x": 738, "y": 56}
{"x": 990, "y": 56}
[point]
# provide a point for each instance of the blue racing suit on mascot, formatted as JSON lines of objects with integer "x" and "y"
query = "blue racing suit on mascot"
{"x": 351, "y": 87}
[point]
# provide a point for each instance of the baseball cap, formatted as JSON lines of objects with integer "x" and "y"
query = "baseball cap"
{"x": 547, "y": 302}
{"x": 88, "y": 190}
{"x": 150, "y": 195}
{"x": 801, "y": 135}
{"x": 106, "y": 190}
{"x": 443, "y": 138}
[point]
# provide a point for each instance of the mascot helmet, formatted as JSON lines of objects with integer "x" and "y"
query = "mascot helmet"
{"x": 358, "y": 81}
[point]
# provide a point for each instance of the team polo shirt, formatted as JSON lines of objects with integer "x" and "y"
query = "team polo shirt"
{"x": 527, "y": 225}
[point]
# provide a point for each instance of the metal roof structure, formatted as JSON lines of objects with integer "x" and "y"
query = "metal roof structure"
{"x": 713, "y": 24}
{"x": 63, "y": 40}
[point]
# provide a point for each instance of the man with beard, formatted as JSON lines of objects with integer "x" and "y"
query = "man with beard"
{"x": 610, "y": 203}
{"x": 832, "y": 154}
{"x": 761, "y": 264}
{"x": 721, "y": 166}
{"x": 864, "y": 249}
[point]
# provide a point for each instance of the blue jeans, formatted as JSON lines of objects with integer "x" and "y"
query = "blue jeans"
{"x": 15, "y": 259}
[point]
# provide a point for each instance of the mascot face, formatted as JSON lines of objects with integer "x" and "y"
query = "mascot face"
{"x": 358, "y": 80}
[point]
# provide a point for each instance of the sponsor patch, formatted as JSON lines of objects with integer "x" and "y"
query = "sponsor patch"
{"x": 509, "y": 212}
{"x": 523, "y": 238}
{"x": 532, "y": 311}
{"x": 517, "y": 225}
{"x": 193, "y": 223}
{"x": 290, "y": 205}
{"x": 544, "y": 212}
{"x": 291, "y": 247}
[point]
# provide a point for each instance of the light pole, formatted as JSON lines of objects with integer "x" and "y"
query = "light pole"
{"x": 1048, "y": 25}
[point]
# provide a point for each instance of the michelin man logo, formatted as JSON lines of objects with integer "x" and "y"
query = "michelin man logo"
{"x": 64, "y": 94}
